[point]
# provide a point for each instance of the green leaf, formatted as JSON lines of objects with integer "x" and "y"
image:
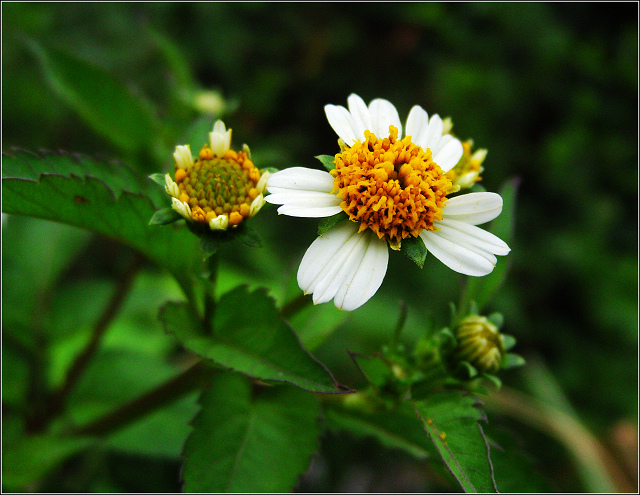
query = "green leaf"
{"x": 31, "y": 458}
{"x": 414, "y": 249}
{"x": 329, "y": 222}
{"x": 395, "y": 429}
{"x": 107, "y": 198}
{"x": 327, "y": 161}
{"x": 250, "y": 337}
{"x": 451, "y": 421}
{"x": 165, "y": 217}
{"x": 250, "y": 440}
{"x": 103, "y": 102}
{"x": 374, "y": 368}
{"x": 482, "y": 289}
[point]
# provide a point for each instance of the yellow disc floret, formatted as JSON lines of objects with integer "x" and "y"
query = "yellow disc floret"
{"x": 215, "y": 186}
{"x": 391, "y": 186}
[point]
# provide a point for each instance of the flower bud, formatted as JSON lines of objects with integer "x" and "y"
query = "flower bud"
{"x": 479, "y": 343}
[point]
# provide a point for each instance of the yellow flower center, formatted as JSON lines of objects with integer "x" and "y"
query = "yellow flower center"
{"x": 219, "y": 185}
{"x": 392, "y": 187}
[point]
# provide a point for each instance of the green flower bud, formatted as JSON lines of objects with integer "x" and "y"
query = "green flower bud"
{"x": 479, "y": 343}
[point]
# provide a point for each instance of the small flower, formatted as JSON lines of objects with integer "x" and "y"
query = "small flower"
{"x": 468, "y": 169}
{"x": 221, "y": 188}
{"x": 391, "y": 189}
{"x": 479, "y": 343}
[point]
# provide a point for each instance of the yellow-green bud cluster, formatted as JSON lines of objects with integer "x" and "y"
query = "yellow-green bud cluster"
{"x": 479, "y": 343}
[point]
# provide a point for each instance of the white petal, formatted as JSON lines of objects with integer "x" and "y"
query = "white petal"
{"x": 262, "y": 183}
{"x": 417, "y": 121}
{"x": 368, "y": 275}
{"x": 183, "y": 156}
{"x": 310, "y": 204}
{"x": 469, "y": 235}
{"x": 345, "y": 265}
{"x": 256, "y": 205}
{"x": 171, "y": 187}
{"x": 219, "y": 139}
{"x": 221, "y": 222}
{"x": 360, "y": 116}
{"x": 430, "y": 135}
{"x": 301, "y": 179}
{"x": 384, "y": 114}
{"x": 473, "y": 208}
{"x": 317, "y": 260}
{"x": 340, "y": 120}
{"x": 456, "y": 257}
{"x": 183, "y": 208}
{"x": 448, "y": 156}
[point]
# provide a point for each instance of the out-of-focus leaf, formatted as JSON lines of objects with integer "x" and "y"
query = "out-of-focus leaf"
{"x": 104, "y": 103}
{"x": 396, "y": 429}
{"x": 451, "y": 421}
{"x": 31, "y": 458}
{"x": 482, "y": 289}
{"x": 249, "y": 336}
{"x": 104, "y": 204}
{"x": 374, "y": 369}
{"x": 248, "y": 440}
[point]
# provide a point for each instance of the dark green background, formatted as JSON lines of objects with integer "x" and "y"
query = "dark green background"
{"x": 549, "y": 89}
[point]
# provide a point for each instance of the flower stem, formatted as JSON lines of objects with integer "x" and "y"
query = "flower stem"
{"x": 210, "y": 293}
{"x": 189, "y": 380}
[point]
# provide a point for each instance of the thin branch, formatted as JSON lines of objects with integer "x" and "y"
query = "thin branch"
{"x": 193, "y": 378}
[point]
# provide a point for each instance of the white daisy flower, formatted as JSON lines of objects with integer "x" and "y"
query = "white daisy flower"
{"x": 391, "y": 188}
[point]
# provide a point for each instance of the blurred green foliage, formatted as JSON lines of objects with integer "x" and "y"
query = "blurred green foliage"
{"x": 549, "y": 89}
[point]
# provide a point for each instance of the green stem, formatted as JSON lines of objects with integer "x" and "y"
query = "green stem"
{"x": 210, "y": 293}
{"x": 81, "y": 362}
{"x": 402, "y": 319}
{"x": 191, "y": 379}
{"x": 295, "y": 306}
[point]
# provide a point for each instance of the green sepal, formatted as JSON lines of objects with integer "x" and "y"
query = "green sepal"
{"x": 497, "y": 319}
{"x": 468, "y": 369}
{"x": 327, "y": 161}
{"x": 249, "y": 237}
{"x": 210, "y": 240}
{"x": 414, "y": 249}
{"x": 511, "y": 360}
{"x": 271, "y": 170}
{"x": 509, "y": 341}
{"x": 493, "y": 379}
{"x": 165, "y": 217}
{"x": 330, "y": 222}
{"x": 158, "y": 179}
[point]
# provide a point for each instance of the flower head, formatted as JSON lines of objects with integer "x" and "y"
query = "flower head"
{"x": 221, "y": 187}
{"x": 480, "y": 343}
{"x": 392, "y": 188}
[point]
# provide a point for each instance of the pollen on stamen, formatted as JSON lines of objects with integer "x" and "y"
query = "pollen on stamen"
{"x": 391, "y": 186}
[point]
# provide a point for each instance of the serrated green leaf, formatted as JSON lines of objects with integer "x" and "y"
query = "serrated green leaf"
{"x": 165, "y": 217}
{"x": 112, "y": 203}
{"x": 329, "y": 222}
{"x": 250, "y": 337}
{"x": 103, "y": 102}
{"x": 414, "y": 249}
{"x": 396, "y": 429}
{"x": 482, "y": 289}
{"x": 511, "y": 361}
{"x": 251, "y": 441}
{"x": 452, "y": 422}
{"x": 31, "y": 458}
{"x": 327, "y": 161}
